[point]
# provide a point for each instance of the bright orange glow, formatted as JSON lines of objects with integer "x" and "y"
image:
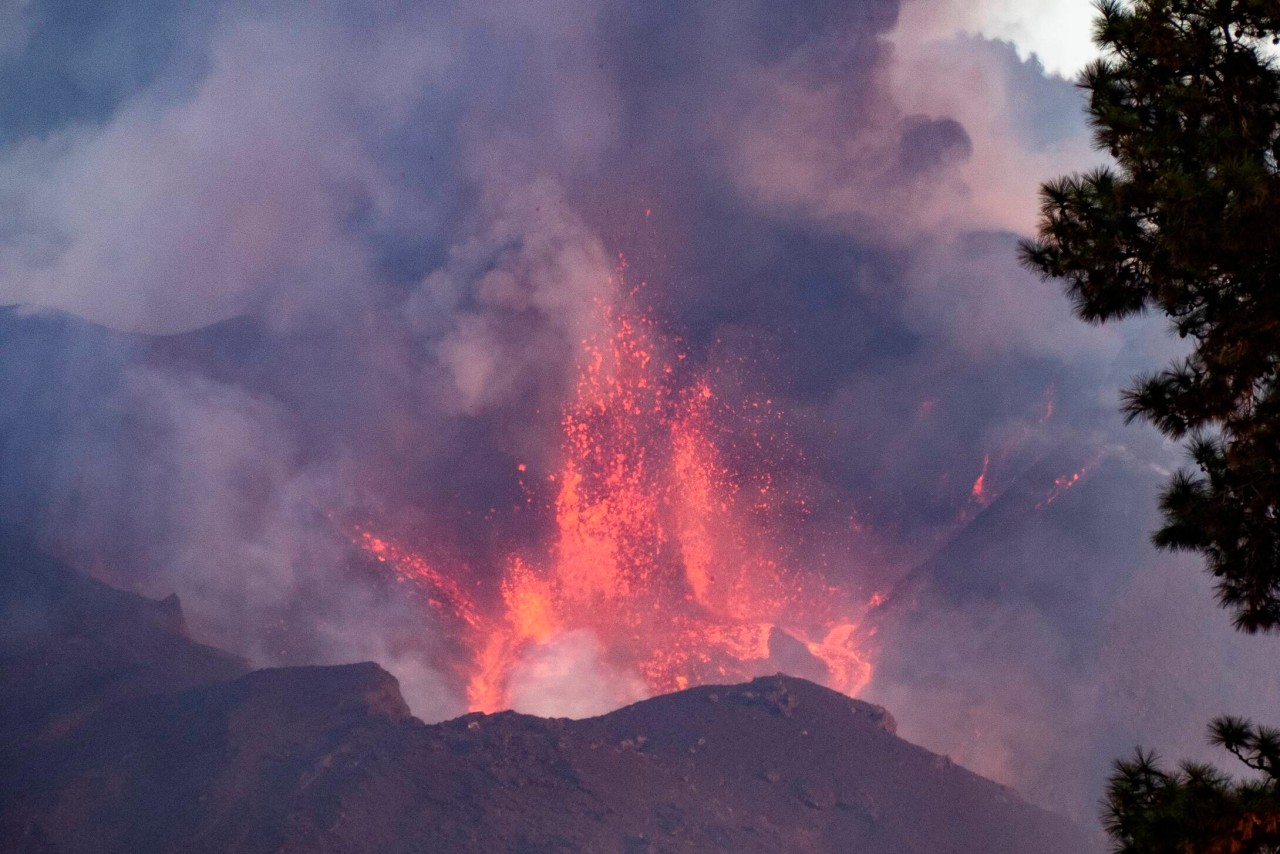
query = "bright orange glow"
{"x": 1065, "y": 482}
{"x": 676, "y": 561}
{"x": 980, "y": 492}
{"x": 442, "y": 592}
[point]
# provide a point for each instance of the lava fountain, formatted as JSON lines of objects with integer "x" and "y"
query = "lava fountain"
{"x": 675, "y": 554}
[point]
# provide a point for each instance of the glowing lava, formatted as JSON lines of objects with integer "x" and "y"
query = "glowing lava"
{"x": 1066, "y": 482}
{"x": 980, "y": 492}
{"x": 677, "y": 560}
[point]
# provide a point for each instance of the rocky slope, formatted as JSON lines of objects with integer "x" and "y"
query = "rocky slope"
{"x": 121, "y": 734}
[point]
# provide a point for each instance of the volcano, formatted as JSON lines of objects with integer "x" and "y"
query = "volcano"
{"x": 122, "y": 733}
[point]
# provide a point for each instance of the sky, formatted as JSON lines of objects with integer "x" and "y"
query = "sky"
{"x": 270, "y": 267}
{"x": 1057, "y": 32}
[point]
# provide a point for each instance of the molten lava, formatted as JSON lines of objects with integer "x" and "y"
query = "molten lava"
{"x": 1066, "y": 482}
{"x": 980, "y": 492}
{"x": 680, "y": 562}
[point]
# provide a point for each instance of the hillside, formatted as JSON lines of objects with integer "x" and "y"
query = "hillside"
{"x": 122, "y": 734}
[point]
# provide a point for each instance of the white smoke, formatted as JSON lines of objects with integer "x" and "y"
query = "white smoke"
{"x": 1059, "y": 33}
{"x": 568, "y": 677}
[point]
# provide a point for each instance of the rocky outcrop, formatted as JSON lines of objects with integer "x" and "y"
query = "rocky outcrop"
{"x": 72, "y": 647}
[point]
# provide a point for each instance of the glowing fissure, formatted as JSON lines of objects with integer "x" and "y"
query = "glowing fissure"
{"x": 981, "y": 492}
{"x": 678, "y": 564}
{"x": 1062, "y": 484}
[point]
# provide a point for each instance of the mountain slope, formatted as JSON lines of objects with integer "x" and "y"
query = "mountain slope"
{"x": 329, "y": 759}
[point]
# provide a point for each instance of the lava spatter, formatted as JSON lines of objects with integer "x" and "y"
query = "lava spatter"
{"x": 674, "y": 555}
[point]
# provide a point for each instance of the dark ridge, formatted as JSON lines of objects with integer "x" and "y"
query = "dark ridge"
{"x": 122, "y": 734}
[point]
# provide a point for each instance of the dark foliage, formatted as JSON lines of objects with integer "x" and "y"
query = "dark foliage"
{"x": 1188, "y": 223}
{"x": 1196, "y": 808}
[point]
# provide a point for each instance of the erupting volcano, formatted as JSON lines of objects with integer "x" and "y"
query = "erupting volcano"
{"x": 674, "y": 547}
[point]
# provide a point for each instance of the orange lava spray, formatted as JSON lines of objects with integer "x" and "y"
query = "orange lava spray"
{"x": 674, "y": 559}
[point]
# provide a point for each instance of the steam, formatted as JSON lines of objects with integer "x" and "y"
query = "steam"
{"x": 181, "y": 211}
{"x": 568, "y": 677}
{"x": 536, "y": 259}
{"x": 358, "y": 250}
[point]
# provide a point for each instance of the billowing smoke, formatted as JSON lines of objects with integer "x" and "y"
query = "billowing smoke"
{"x": 287, "y": 269}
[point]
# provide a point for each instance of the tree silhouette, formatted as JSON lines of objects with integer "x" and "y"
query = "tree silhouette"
{"x": 1186, "y": 99}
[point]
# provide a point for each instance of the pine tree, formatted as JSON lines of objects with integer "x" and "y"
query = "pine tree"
{"x": 1188, "y": 223}
{"x": 1186, "y": 99}
{"x": 1197, "y": 809}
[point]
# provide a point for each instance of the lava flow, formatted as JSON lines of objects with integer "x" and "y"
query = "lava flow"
{"x": 1066, "y": 482}
{"x": 681, "y": 564}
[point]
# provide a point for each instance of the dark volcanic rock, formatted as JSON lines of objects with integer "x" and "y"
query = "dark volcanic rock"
{"x": 71, "y": 647}
{"x": 329, "y": 759}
